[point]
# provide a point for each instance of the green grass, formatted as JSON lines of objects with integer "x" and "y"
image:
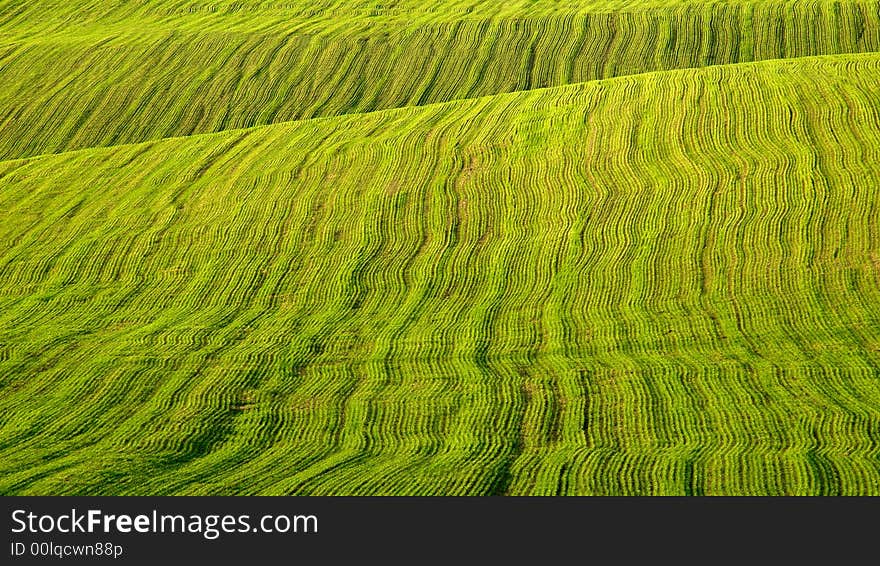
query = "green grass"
{"x": 664, "y": 282}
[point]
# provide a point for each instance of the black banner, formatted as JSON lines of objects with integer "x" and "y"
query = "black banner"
{"x": 330, "y": 530}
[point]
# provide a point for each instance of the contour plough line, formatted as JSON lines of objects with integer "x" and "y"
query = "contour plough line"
{"x": 663, "y": 283}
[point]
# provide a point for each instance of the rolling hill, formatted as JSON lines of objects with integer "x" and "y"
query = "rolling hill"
{"x": 549, "y": 248}
{"x": 96, "y": 73}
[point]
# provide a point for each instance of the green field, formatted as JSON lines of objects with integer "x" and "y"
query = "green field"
{"x": 450, "y": 247}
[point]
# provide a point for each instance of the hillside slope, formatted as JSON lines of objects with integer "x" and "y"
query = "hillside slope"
{"x": 87, "y": 73}
{"x": 664, "y": 283}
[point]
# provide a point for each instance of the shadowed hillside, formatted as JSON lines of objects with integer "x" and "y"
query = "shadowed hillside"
{"x": 98, "y": 73}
